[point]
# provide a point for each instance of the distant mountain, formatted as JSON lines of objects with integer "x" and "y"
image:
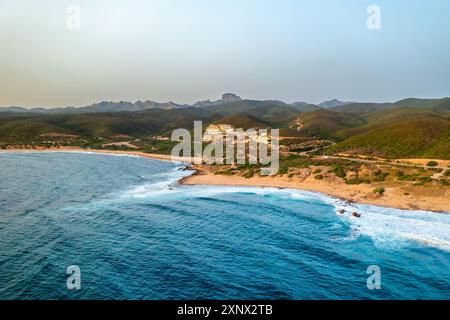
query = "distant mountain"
{"x": 111, "y": 106}
{"x": 14, "y": 109}
{"x": 105, "y": 106}
{"x": 129, "y": 106}
{"x": 140, "y": 106}
{"x": 332, "y": 104}
{"x": 304, "y": 106}
{"x": 230, "y": 97}
{"x": 226, "y": 98}
{"x": 231, "y": 103}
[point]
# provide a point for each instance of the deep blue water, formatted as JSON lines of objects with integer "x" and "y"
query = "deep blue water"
{"x": 135, "y": 234}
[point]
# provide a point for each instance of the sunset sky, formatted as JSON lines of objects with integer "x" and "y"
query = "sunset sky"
{"x": 187, "y": 50}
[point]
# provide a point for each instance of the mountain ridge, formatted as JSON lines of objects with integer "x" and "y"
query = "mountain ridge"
{"x": 408, "y": 128}
{"x": 442, "y": 104}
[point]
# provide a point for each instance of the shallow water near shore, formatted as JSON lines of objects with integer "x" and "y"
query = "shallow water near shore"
{"x": 137, "y": 234}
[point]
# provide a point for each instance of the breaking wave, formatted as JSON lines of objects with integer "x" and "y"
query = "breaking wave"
{"x": 386, "y": 226}
{"x": 138, "y": 234}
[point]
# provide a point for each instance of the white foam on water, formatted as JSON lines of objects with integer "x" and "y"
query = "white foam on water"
{"x": 166, "y": 184}
{"x": 386, "y": 226}
{"x": 395, "y": 227}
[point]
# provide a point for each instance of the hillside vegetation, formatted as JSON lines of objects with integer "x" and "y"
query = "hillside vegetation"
{"x": 410, "y": 128}
{"x": 417, "y": 138}
{"x": 327, "y": 123}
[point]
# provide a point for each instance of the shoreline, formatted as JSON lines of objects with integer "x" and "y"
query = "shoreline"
{"x": 359, "y": 194}
{"x": 155, "y": 156}
{"x": 354, "y": 194}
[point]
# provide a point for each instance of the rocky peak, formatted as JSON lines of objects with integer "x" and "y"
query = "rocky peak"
{"x": 230, "y": 97}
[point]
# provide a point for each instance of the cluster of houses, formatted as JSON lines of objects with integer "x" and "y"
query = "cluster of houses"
{"x": 223, "y": 130}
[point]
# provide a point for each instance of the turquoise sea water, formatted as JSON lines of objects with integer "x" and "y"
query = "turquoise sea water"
{"x": 136, "y": 234}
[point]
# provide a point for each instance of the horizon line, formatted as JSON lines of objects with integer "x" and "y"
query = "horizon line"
{"x": 348, "y": 101}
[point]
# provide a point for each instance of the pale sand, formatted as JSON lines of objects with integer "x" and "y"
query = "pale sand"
{"x": 166, "y": 157}
{"x": 394, "y": 197}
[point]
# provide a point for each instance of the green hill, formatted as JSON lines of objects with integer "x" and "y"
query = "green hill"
{"x": 367, "y": 108}
{"x": 275, "y": 116}
{"x": 432, "y": 104}
{"x": 304, "y": 107}
{"x": 407, "y": 128}
{"x": 24, "y": 128}
{"x": 387, "y": 117}
{"x": 275, "y": 112}
{"x": 235, "y": 107}
{"x": 243, "y": 121}
{"x": 326, "y": 123}
{"x": 363, "y": 108}
{"x": 421, "y": 138}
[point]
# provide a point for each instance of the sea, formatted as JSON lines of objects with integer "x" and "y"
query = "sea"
{"x": 132, "y": 232}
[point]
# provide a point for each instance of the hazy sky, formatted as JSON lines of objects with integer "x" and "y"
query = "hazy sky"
{"x": 186, "y": 50}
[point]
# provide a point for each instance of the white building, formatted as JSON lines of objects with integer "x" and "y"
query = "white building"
{"x": 215, "y": 130}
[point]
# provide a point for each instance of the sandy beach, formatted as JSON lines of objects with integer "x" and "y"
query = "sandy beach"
{"x": 165, "y": 157}
{"x": 394, "y": 197}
